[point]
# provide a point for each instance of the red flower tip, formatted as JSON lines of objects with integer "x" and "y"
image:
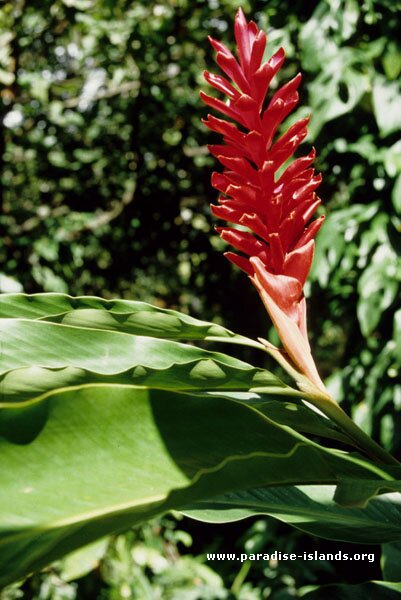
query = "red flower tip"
{"x": 277, "y": 251}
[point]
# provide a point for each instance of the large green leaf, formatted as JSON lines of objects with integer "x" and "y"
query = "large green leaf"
{"x": 38, "y": 356}
{"x": 65, "y": 355}
{"x": 309, "y": 508}
{"x": 99, "y": 458}
{"x": 68, "y": 355}
{"x": 118, "y": 315}
{"x": 97, "y": 346}
{"x": 102, "y": 426}
{"x": 205, "y": 373}
{"x": 46, "y": 344}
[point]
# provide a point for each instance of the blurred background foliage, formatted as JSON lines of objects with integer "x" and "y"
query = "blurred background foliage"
{"x": 105, "y": 190}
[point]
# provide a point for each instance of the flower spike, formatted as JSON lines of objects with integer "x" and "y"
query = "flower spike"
{"x": 277, "y": 251}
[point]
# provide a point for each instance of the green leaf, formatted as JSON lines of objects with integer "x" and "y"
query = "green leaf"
{"x": 297, "y": 416}
{"x": 386, "y": 105}
{"x": 101, "y": 351}
{"x": 392, "y": 61}
{"x": 370, "y": 589}
{"x": 322, "y": 34}
{"x": 79, "y": 563}
{"x": 122, "y": 315}
{"x": 40, "y": 355}
{"x": 397, "y": 335}
{"x": 9, "y": 284}
{"x": 98, "y": 434}
{"x": 126, "y": 316}
{"x": 339, "y": 227}
{"x": 378, "y": 287}
{"x": 351, "y": 493}
{"x": 204, "y": 373}
{"x": 392, "y": 159}
{"x": 396, "y": 195}
{"x": 310, "y": 509}
{"x": 74, "y": 355}
{"x": 391, "y": 561}
{"x": 335, "y": 92}
{"x": 100, "y": 458}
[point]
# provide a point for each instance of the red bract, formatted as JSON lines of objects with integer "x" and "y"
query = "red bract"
{"x": 277, "y": 209}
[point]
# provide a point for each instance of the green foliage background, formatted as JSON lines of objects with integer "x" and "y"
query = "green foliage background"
{"x": 105, "y": 190}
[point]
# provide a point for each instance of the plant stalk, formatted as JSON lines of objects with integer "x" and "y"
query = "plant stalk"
{"x": 325, "y": 403}
{"x": 321, "y": 399}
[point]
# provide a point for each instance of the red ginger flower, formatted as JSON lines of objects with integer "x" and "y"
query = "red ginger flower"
{"x": 278, "y": 254}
